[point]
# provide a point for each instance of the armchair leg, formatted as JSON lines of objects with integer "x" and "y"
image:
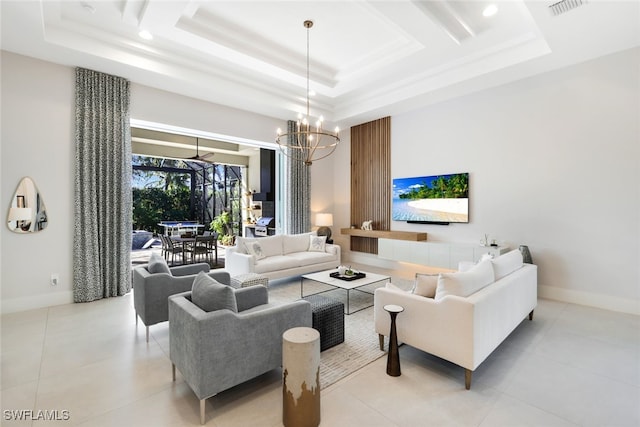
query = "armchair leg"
{"x": 173, "y": 372}
{"x": 147, "y": 334}
{"x": 531, "y": 315}
{"x": 381, "y": 339}
{"x": 136, "y": 314}
{"x": 467, "y": 378}
{"x": 202, "y": 401}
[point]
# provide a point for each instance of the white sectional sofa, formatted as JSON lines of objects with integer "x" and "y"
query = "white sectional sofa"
{"x": 282, "y": 255}
{"x": 464, "y": 315}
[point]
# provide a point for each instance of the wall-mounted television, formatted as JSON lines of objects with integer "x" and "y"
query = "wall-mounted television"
{"x": 436, "y": 199}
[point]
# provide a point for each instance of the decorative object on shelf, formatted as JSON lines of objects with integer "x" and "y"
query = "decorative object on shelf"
{"x": 367, "y": 225}
{"x": 27, "y": 213}
{"x": 308, "y": 143}
{"x": 526, "y": 254}
{"x": 485, "y": 240}
{"x": 324, "y": 221}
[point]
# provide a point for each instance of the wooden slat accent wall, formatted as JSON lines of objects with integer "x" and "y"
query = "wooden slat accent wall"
{"x": 370, "y": 180}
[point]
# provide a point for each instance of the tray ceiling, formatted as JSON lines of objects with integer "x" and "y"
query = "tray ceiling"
{"x": 368, "y": 58}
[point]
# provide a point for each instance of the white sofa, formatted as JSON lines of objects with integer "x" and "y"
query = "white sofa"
{"x": 471, "y": 313}
{"x": 282, "y": 255}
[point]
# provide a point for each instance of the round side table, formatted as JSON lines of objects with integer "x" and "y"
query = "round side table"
{"x": 393, "y": 357}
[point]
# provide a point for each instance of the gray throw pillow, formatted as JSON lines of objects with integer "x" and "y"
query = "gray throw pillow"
{"x": 211, "y": 295}
{"x": 157, "y": 264}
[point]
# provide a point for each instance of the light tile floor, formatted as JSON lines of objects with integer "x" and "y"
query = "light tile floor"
{"x": 573, "y": 365}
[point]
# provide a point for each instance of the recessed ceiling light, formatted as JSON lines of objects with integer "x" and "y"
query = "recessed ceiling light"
{"x": 490, "y": 10}
{"x": 145, "y": 35}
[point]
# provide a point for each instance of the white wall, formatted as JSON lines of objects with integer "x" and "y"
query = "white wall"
{"x": 554, "y": 163}
{"x": 37, "y": 141}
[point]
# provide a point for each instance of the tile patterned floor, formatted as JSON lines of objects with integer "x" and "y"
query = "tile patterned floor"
{"x": 571, "y": 366}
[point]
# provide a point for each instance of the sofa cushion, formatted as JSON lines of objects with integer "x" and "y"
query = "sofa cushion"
{"x": 465, "y": 283}
{"x": 317, "y": 243}
{"x": 275, "y": 263}
{"x": 157, "y": 264}
{"x": 255, "y": 248}
{"x": 271, "y": 245}
{"x": 295, "y": 242}
{"x": 507, "y": 263}
{"x": 309, "y": 258}
{"x": 211, "y": 295}
{"x": 425, "y": 285}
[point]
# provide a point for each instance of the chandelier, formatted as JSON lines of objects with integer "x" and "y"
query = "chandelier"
{"x": 306, "y": 142}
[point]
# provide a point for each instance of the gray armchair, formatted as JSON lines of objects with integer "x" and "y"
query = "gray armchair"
{"x": 151, "y": 290}
{"x": 217, "y": 350}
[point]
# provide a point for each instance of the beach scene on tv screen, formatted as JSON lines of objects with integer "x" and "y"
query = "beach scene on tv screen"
{"x": 438, "y": 198}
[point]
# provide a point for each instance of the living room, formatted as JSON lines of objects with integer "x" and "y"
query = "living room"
{"x": 553, "y": 163}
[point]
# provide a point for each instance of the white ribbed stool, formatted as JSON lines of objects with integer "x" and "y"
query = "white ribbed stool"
{"x": 301, "y": 377}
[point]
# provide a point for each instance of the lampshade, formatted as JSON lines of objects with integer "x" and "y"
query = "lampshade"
{"x": 20, "y": 214}
{"x": 324, "y": 219}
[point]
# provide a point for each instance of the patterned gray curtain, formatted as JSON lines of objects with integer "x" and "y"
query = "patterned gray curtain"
{"x": 103, "y": 205}
{"x": 298, "y": 190}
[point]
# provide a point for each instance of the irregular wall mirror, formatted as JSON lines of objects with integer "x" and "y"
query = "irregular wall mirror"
{"x": 27, "y": 213}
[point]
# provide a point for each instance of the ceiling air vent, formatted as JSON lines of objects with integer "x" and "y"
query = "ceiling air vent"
{"x": 565, "y": 6}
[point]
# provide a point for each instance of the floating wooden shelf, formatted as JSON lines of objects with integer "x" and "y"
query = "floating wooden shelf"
{"x": 385, "y": 234}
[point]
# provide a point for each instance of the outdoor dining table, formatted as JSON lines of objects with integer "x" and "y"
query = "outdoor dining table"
{"x": 186, "y": 241}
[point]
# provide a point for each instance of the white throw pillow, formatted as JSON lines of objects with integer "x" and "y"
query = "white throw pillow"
{"x": 255, "y": 248}
{"x": 425, "y": 285}
{"x": 317, "y": 243}
{"x": 241, "y": 244}
{"x": 485, "y": 256}
{"x": 507, "y": 263}
{"x": 465, "y": 283}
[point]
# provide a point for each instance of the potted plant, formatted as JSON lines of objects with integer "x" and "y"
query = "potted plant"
{"x": 222, "y": 225}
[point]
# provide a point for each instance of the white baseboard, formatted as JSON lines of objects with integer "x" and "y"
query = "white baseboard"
{"x": 606, "y": 302}
{"x": 14, "y": 305}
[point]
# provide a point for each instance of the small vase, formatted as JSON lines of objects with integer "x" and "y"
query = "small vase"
{"x": 526, "y": 255}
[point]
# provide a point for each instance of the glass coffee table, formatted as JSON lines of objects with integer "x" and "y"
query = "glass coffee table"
{"x": 347, "y": 283}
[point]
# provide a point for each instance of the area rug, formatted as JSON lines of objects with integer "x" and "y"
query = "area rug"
{"x": 361, "y": 345}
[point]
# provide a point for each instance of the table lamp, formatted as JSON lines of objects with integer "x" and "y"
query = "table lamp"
{"x": 324, "y": 221}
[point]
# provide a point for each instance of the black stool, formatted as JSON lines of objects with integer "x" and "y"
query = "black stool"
{"x": 328, "y": 319}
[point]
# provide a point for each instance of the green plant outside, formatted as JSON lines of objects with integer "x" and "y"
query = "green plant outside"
{"x": 152, "y": 205}
{"x": 222, "y": 225}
